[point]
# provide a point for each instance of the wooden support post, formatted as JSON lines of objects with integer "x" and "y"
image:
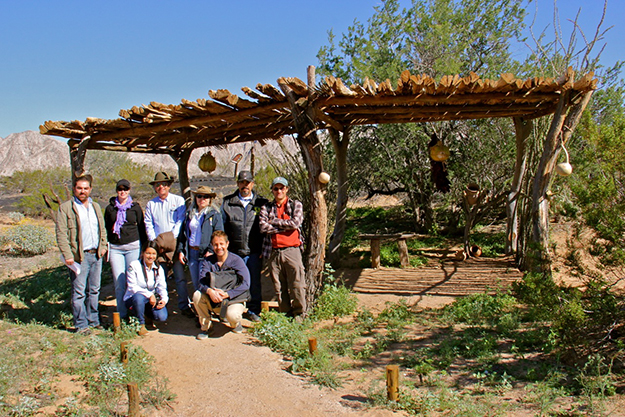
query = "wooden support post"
{"x": 403, "y": 253}
{"x": 123, "y": 354}
{"x": 375, "y": 253}
{"x": 312, "y": 345}
{"x": 264, "y": 306}
{"x": 134, "y": 409}
{"x": 117, "y": 323}
{"x": 392, "y": 381}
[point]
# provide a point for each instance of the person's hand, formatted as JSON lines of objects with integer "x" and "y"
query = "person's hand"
{"x": 160, "y": 304}
{"x": 222, "y": 293}
{"x": 207, "y": 254}
{"x": 181, "y": 258}
{"x": 152, "y": 300}
{"x": 69, "y": 261}
{"x": 214, "y": 295}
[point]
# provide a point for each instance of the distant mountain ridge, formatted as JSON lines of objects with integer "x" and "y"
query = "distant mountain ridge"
{"x": 29, "y": 151}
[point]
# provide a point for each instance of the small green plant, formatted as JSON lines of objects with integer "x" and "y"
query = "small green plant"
{"x": 28, "y": 239}
{"x": 396, "y": 315}
{"x": 15, "y": 216}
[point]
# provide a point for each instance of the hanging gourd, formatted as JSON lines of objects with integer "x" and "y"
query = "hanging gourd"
{"x": 439, "y": 152}
{"x": 564, "y": 168}
{"x": 207, "y": 162}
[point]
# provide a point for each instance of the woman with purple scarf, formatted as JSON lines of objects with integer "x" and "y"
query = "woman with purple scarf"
{"x": 126, "y": 232}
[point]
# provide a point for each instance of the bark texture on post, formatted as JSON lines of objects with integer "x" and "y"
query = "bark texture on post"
{"x": 182, "y": 160}
{"x": 562, "y": 126}
{"x": 77, "y": 156}
{"x": 340, "y": 222}
{"x": 522, "y": 129}
{"x": 310, "y": 145}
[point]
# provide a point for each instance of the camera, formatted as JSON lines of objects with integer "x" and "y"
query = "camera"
{"x": 157, "y": 296}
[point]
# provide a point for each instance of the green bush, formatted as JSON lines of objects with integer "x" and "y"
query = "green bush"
{"x": 334, "y": 301}
{"x": 28, "y": 239}
{"x": 484, "y": 309}
{"x": 15, "y": 216}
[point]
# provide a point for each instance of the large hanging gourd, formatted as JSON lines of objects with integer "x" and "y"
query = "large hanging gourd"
{"x": 207, "y": 162}
{"x": 564, "y": 168}
{"x": 439, "y": 152}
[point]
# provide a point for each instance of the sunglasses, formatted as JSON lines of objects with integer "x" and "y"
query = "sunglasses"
{"x": 203, "y": 196}
{"x": 123, "y": 189}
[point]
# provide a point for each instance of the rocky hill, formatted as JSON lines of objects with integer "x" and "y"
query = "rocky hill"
{"x": 27, "y": 151}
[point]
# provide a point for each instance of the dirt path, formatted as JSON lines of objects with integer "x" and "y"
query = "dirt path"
{"x": 231, "y": 375}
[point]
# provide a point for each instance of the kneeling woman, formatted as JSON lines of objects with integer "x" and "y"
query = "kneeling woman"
{"x": 146, "y": 288}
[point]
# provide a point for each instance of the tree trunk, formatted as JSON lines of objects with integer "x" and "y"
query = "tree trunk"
{"x": 182, "y": 160}
{"x": 522, "y": 128}
{"x": 340, "y": 222}
{"x": 562, "y": 127}
{"x": 310, "y": 146}
{"x": 77, "y": 156}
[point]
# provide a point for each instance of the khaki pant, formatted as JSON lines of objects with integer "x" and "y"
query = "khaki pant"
{"x": 286, "y": 270}
{"x": 203, "y": 308}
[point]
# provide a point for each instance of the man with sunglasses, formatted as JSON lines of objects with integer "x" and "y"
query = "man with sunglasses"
{"x": 164, "y": 215}
{"x": 281, "y": 221}
{"x": 240, "y": 211}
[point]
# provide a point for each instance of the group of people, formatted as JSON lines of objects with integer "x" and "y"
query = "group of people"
{"x": 224, "y": 250}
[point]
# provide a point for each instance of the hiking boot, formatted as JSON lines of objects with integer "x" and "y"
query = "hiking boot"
{"x": 203, "y": 335}
{"x": 187, "y": 312}
{"x": 238, "y": 329}
{"x": 253, "y": 317}
{"x": 85, "y": 331}
{"x": 142, "y": 330}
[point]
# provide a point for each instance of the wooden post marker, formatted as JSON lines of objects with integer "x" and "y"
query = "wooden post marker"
{"x": 392, "y": 381}
{"x": 312, "y": 345}
{"x": 123, "y": 354}
{"x": 264, "y": 306}
{"x": 117, "y": 323}
{"x": 134, "y": 410}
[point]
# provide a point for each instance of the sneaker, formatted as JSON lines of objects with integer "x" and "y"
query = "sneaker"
{"x": 142, "y": 330}
{"x": 187, "y": 312}
{"x": 253, "y": 317}
{"x": 85, "y": 331}
{"x": 238, "y": 329}
{"x": 203, "y": 335}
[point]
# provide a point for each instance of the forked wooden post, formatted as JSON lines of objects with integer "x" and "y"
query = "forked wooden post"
{"x": 392, "y": 381}
{"x": 117, "y": 323}
{"x": 123, "y": 354}
{"x": 312, "y": 345}
{"x": 264, "y": 306}
{"x": 134, "y": 410}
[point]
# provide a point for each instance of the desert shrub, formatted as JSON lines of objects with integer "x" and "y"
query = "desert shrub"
{"x": 28, "y": 239}
{"x": 15, "y": 216}
{"x": 396, "y": 315}
{"x": 334, "y": 301}
{"x": 279, "y": 332}
{"x": 484, "y": 309}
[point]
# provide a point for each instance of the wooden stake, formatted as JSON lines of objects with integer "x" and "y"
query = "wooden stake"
{"x": 123, "y": 357}
{"x": 392, "y": 381}
{"x": 375, "y": 253}
{"x": 264, "y": 306}
{"x": 403, "y": 253}
{"x": 312, "y": 345}
{"x": 117, "y": 324}
{"x": 134, "y": 410}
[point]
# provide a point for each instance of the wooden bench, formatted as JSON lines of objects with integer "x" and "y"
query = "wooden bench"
{"x": 376, "y": 240}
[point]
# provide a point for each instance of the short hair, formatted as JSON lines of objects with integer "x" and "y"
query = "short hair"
{"x": 84, "y": 177}
{"x": 219, "y": 233}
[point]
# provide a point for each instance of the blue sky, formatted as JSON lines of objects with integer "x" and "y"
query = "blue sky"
{"x": 68, "y": 60}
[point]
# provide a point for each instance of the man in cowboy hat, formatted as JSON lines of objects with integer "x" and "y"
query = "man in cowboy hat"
{"x": 163, "y": 217}
{"x": 240, "y": 211}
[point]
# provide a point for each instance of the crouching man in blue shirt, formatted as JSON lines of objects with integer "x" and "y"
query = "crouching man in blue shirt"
{"x": 210, "y": 298}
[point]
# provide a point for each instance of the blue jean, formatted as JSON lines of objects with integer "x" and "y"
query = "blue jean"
{"x": 137, "y": 305}
{"x": 254, "y": 265}
{"x": 181, "y": 285}
{"x": 120, "y": 261}
{"x": 86, "y": 291}
{"x": 193, "y": 261}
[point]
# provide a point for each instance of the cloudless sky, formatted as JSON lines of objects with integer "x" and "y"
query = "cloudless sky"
{"x": 69, "y": 60}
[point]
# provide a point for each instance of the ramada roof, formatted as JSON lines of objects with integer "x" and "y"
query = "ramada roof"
{"x": 266, "y": 114}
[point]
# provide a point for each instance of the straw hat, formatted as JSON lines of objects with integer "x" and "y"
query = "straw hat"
{"x": 204, "y": 189}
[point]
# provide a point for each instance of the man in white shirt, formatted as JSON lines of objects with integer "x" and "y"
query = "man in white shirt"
{"x": 81, "y": 237}
{"x": 163, "y": 217}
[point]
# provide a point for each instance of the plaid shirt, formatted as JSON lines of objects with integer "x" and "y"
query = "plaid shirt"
{"x": 270, "y": 224}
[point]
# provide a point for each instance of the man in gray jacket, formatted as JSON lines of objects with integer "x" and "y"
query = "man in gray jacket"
{"x": 240, "y": 212}
{"x": 81, "y": 237}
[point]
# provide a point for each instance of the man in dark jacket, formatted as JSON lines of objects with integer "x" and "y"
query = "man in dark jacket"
{"x": 240, "y": 211}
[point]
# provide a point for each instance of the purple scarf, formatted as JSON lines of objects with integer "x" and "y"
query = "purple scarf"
{"x": 121, "y": 215}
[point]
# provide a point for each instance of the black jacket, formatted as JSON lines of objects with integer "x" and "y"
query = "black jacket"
{"x": 131, "y": 231}
{"x": 242, "y": 225}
